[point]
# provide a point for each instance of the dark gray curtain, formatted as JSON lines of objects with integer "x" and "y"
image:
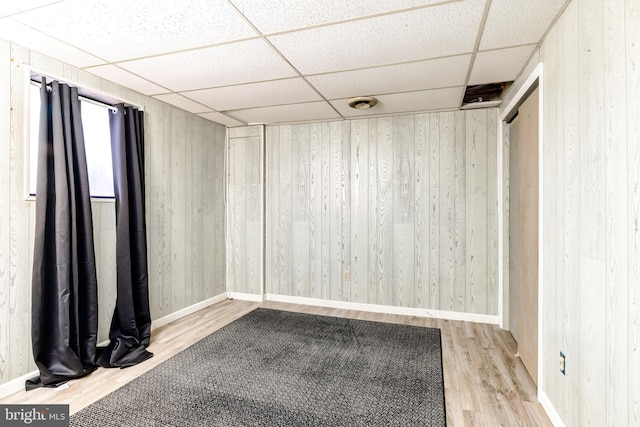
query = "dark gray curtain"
{"x": 64, "y": 295}
{"x": 131, "y": 324}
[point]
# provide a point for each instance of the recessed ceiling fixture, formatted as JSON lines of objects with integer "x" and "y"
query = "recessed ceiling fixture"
{"x": 362, "y": 102}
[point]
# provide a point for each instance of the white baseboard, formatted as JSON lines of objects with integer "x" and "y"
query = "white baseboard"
{"x": 17, "y": 384}
{"x": 550, "y": 409}
{"x": 386, "y": 309}
{"x": 187, "y": 311}
{"x": 245, "y": 297}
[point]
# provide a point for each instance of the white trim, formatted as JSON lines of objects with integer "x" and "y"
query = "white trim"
{"x": 386, "y": 309}
{"x": 540, "y": 225}
{"x": 245, "y": 297}
{"x": 187, "y": 311}
{"x": 522, "y": 91}
{"x": 535, "y": 76}
{"x": 500, "y": 174}
{"x": 546, "y": 404}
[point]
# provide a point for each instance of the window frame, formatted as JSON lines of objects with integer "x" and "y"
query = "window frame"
{"x": 33, "y": 76}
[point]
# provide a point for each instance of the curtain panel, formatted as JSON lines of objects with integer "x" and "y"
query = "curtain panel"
{"x": 130, "y": 330}
{"x": 64, "y": 286}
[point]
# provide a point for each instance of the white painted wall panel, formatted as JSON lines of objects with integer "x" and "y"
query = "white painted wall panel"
{"x": 394, "y": 210}
{"x": 591, "y": 208}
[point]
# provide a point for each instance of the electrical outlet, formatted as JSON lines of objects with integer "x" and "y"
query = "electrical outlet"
{"x": 563, "y": 364}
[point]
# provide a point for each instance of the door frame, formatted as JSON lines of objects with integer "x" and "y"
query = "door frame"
{"x": 535, "y": 79}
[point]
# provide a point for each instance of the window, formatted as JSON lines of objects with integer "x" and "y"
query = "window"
{"x": 97, "y": 140}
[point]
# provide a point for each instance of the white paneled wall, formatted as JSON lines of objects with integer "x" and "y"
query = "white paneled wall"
{"x": 398, "y": 211}
{"x": 244, "y": 210}
{"x": 184, "y": 157}
{"x": 591, "y": 202}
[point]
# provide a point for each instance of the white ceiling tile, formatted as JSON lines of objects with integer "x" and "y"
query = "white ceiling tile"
{"x": 125, "y": 78}
{"x": 229, "y": 64}
{"x": 252, "y": 95}
{"x": 501, "y": 65}
{"x": 285, "y": 15}
{"x": 518, "y": 22}
{"x": 222, "y": 119}
{"x": 287, "y": 113}
{"x": 182, "y": 102}
{"x": 442, "y": 30}
{"x": 430, "y": 74}
{"x": 123, "y": 30}
{"x": 39, "y": 42}
{"x": 9, "y": 8}
{"x": 426, "y": 100}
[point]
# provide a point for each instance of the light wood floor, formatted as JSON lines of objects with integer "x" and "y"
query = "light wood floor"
{"x": 485, "y": 385}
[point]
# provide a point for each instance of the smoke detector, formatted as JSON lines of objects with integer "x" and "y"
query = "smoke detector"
{"x": 362, "y": 102}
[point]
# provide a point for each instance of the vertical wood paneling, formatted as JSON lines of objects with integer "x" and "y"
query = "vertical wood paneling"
{"x": 632, "y": 55}
{"x": 461, "y": 191}
{"x": 167, "y": 211}
{"x": 335, "y": 211}
{"x": 326, "y": 213}
{"x": 188, "y": 210}
{"x": 572, "y": 213}
{"x": 592, "y": 211}
{"x": 220, "y": 233}
{"x": 300, "y": 211}
{"x": 404, "y": 211}
{"x": 550, "y": 230}
{"x": 238, "y": 222}
{"x": 253, "y": 281}
{"x": 315, "y": 210}
{"x": 374, "y": 278}
{"x": 154, "y": 150}
{"x": 5, "y": 194}
{"x": 476, "y": 212}
{"x": 346, "y": 210}
{"x": 245, "y": 210}
{"x": 272, "y": 200}
{"x": 359, "y": 210}
{"x": 209, "y": 186}
{"x": 178, "y": 209}
{"x": 285, "y": 211}
{"x": 434, "y": 212}
{"x": 385, "y": 211}
{"x": 558, "y": 140}
{"x": 447, "y": 212}
{"x": 422, "y": 153}
{"x": 196, "y": 261}
{"x": 19, "y": 245}
{"x": 492, "y": 213}
{"x": 378, "y": 211}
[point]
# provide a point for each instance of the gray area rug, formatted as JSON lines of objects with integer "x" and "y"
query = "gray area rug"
{"x": 278, "y": 368}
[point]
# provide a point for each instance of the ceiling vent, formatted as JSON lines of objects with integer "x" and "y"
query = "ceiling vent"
{"x": 362, "y": 102}
{"x": 484, "y": 96}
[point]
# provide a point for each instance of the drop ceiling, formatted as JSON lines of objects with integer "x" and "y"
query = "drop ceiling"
{"x": 257, "y": 61}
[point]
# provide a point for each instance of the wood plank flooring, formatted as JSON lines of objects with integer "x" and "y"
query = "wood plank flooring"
{"x": 485, "y": 385}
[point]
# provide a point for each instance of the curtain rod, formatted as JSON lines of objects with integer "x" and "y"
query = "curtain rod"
{"x": 101, "y": 104}
{"x": 84, "y": 98}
